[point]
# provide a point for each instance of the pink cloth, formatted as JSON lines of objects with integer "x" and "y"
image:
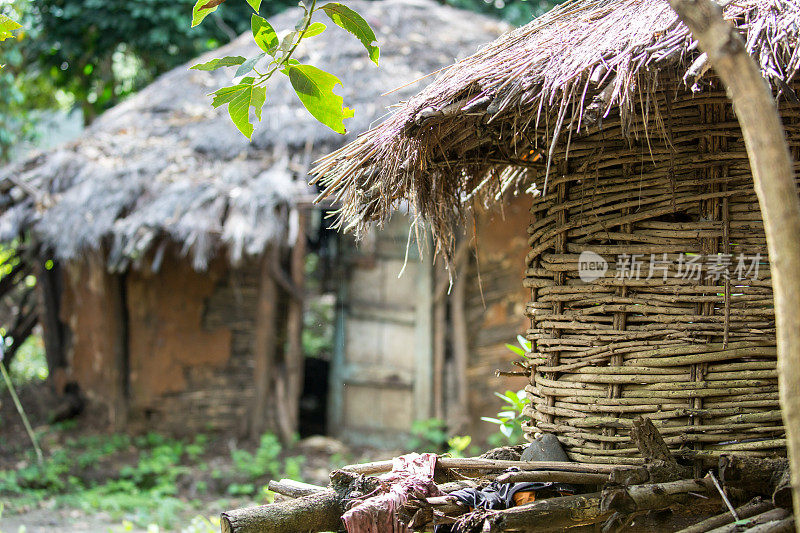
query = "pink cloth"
{"x": 411, "y": 474}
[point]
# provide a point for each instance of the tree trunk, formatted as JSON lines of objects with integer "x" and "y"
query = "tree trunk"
{"x": 775, "y": 186}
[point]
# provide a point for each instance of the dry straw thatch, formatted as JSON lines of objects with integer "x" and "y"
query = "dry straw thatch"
{"x": 590, "y": 108}
{"x": 472, "y": 135}
{"x": 165, "y": 166}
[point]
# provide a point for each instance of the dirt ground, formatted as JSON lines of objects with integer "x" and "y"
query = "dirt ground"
{"x": 210, "y": 483}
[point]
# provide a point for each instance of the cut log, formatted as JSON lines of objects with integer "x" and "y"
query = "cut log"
{"x": 782, "y": 496}
{"x": 321, "y": 511}
{"x": 776, "y": 526}
{"x": 649, "y": 441}
{"x": 661, "y": 464}
{"x": 753, "y": 475}
{"x": 318, "y": 512}
{"x": 773, "y": 515}
{"x": 654, "y": 495}
{"x": 747, "y": 510}
{"x": 553, "y": 514}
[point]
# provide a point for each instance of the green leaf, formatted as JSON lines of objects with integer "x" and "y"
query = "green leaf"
{"x": 516, "y": 349}
{"x": 526, "y": 345}
{"x": 239, "y": 107}
{"x": 288, "y": 41}
{"x": 248, "y": 65}
{"x": 214, "y": 64}
{"x": 255, "y": 4}
{"x": 202, "y": 9}
{"x": 226, "y": 94}
{"x": 264, "y": 34}
{"x": 7, "y": 25}
{"x": 314, "y": 87}
{"x": 343, "y": 16}
{"x": 315, "y": 29}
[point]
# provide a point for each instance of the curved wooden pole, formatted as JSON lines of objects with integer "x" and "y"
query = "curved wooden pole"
{"x": 775, "y": 186}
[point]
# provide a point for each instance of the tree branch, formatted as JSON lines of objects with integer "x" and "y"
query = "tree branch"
{"x": 775, "y": 186}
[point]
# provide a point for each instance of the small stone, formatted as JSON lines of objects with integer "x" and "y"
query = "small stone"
{"x": 545, "y": 448}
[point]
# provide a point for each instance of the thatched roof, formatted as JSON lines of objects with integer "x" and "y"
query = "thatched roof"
{"x": 473, "y": 133}
{"x": 164, "y": 163}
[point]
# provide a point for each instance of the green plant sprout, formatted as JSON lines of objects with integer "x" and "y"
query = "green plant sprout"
{"x": 524, "y": 348}
{"x": 312, "y": 85}
{"x": 510, "y": 419}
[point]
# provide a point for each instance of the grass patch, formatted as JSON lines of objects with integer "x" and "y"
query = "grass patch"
{"x": 143, "y": 480}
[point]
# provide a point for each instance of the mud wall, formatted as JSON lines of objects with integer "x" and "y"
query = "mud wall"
{"x": 186, "y": 337}
{"x": 91, "y": 308}
{"x": 495, "y": 306}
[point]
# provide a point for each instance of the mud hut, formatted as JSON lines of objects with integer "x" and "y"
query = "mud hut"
{"x": 171, "y": 249}
{"x": 647, "y": 266}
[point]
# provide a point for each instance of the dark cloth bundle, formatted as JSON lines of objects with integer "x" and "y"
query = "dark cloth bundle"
{"x": 498, "y": 496}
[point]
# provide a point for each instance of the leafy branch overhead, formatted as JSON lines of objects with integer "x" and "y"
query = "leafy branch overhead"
{"x": 314, "y": 86}
{"x": 7, "y": 25}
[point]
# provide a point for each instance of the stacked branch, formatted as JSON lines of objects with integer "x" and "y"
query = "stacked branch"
{"x": 612, "y": 495}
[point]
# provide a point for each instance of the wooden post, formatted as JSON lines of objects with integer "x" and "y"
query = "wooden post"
{"x": 264, "y": 347}
{"x": 460, "y": 331}
{"x": 439, "y": 343}
{"x": 775, "y": 186}
{"x": 295, "y": 365}
{"x": 121, "y": 360}
{"x": 423, "y": 342}
{"x": 49, "y": 289}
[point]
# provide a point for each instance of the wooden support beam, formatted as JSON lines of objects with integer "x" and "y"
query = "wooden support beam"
{"x": 264, "y": 347}
{"x": 295, "y": 363}
{"x": 457, "y": 416}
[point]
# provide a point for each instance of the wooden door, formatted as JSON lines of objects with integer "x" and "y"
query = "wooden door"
{"x": 381, "y": 377}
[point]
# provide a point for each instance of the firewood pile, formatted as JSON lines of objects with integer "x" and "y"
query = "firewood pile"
{"x": 727, "y": 493}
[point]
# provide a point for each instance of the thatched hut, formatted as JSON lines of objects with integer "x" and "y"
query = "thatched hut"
{"x": 172, "y": 249}
{"x": 607, "y": 118}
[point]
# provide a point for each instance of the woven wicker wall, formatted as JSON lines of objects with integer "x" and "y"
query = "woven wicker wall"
{"x": 697, "y": 357}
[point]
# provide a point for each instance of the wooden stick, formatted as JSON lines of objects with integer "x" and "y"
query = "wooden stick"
{"x": 776, "y": 526}
{"x": 294, "y": 489}
{"x": 652, "y": 496}
{"x": 379, "y": 467}
{"x": 752, "y": 508}
{"x": 762, "y": 518}
{"x": 553, "y": 514}
{"x": 577, "y": 478}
